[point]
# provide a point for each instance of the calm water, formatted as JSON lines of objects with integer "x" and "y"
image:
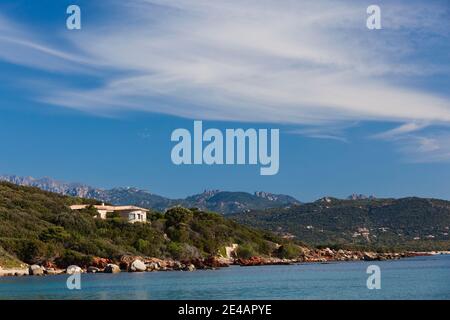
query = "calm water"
{"x": 413, "y": 278}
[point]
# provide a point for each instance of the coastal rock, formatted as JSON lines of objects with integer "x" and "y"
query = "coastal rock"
{"x": 370, "y": 256}
{"x": 100, "y": 262}
{"x": 49, "y": 265}
{"x": 189, "y": 267}
{"x": 35, "y": 270}
{"x": 160, "y": 262}
{"x": 93, "y": 269}
{"x": 328, "y": 252}
{"x": 198, "y": 263}
{"x": 51, "y": 271}
{"x": 153, "y": 266}
{"x": 253, "y": 261}
{"x": 126, "y": 261}
{"x": 215, "y": 262}
{"x": 112, "y": 268}
{"x": 138, "y": 266}
{"x": 176, "y": 265}
{"x": 73, "y": 269}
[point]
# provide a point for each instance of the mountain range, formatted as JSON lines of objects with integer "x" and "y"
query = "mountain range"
{"x": 224, "y": 202}
{"x": 356, "y": 222}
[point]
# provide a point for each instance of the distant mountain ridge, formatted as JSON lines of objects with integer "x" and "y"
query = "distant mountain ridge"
{"x": 224, "y": 202}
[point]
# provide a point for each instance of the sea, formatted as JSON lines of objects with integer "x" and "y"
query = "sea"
{"x": 425, "y": 277}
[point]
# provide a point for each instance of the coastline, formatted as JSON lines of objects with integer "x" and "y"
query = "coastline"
{"x": 128, "y": 263}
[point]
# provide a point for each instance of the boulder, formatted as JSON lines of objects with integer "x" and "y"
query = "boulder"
{"x": 177, "y": 265}
{"x": 100, "y": 262}
{"x": 112, "y": 268}
{"x": 49, "y": 265}
{"x": 216, "y": 262}
{"x": 153, "y": 266}
{"x": 328, "y": 252}
{"x": 253, "y": 261}
{"x": 73, "y": 269}
{"x": 35, "y": 270}
{"x": 50, "y": 271}
{"x": 369, "y": 256}
{"x": 198, "y": 263}
{"x": 138, "y": 266}
{"x": 93, "y": 269}
{"x": 126, "y": 261}
{"x": 189, "y": 267}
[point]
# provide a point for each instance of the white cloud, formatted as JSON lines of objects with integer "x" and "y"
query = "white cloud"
{"x": 334, "y": 131}
{"x": 433, "y": 147}
{"x": 21, "y": 45}
{"x": 298, "y": 62}
{"x": 417, "y": 144}
{"x": 401, "y": 130}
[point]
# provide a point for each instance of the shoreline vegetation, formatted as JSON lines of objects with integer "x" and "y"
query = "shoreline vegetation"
{"x": 41, "y": 235}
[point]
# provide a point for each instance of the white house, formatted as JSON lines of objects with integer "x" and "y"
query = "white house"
{"x": 131, "y": 213}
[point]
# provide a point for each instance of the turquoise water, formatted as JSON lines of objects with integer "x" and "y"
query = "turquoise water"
{"x": 413, "y": 278}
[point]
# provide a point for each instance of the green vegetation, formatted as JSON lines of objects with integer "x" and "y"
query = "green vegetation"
{"x": 289, "y": 251}
{"x": 7, "y": 260}
{"x": 38, "y": 226}
{"x": 246, "y": 251}
{"x": 375, "y": 224}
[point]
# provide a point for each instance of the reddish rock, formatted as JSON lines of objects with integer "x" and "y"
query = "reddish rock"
{"x": 253, "y": 261}
{"x": 49, "y": 265}
{"x": 126, "y": 261}
{"x": 100, "y": 263}
{"x": 215, "y": 262}
{"x": 163, "y": 264}
{"x": 197, "y": 263}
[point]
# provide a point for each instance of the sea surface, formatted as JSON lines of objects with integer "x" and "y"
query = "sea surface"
{"x": 411, "y": 278}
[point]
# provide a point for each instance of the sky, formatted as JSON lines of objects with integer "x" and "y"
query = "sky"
{"x": 359, "y": 110}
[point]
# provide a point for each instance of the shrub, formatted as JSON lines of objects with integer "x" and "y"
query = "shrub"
{"x": 245, "y": 251}
{"x": 55, "y": 233}
{"x": 70, "y": 257}
{"x": 289, "y": 251}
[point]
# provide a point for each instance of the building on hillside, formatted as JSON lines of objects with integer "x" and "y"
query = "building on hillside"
{"x": 131, "y": 213}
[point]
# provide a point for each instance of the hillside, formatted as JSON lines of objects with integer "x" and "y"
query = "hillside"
{"x": 38, "y": 226}
{"x": 211, "y": 200}
{"x": 408, "y": 223}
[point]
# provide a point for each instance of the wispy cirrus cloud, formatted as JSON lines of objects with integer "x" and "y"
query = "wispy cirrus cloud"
{"x": 433, "y": 147}
{"x": 401, "y": 130}
{"x": 417, "y": 144}
{"x": 305, "y": 62}
{"x": 20, "y": 44}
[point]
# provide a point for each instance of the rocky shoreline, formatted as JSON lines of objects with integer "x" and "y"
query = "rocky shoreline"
{"x": 128, "y": 263}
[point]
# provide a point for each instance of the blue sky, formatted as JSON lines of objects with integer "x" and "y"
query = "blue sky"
{"x": 358, "y": 110}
